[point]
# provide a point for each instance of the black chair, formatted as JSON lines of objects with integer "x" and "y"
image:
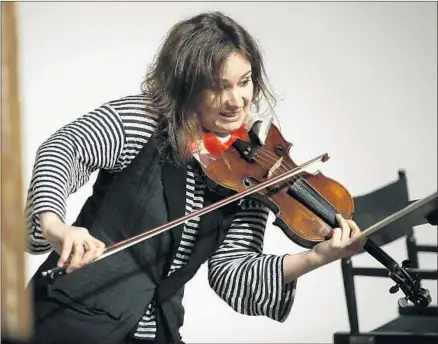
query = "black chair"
{"x": 369, "y": 209}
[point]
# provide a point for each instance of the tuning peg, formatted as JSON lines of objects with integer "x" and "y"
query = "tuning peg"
{"x": 394, "y": 289}
{"x": 403, "y": 302}
{"x": 406, "y": 264}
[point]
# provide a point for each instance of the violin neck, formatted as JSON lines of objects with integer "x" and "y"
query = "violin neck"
{"x": 380, "y": 255}
{"x": 303, "y": 192}
{"x": 309, "y": 197}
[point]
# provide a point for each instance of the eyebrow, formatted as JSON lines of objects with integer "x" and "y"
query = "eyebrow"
{"x": 244, "y": 75}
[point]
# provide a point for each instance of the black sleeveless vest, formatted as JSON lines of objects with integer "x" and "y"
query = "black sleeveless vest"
{"x": 149, "y": 192}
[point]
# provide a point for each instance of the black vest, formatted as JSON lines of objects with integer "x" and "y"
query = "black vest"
{"x": 146, "y": 194}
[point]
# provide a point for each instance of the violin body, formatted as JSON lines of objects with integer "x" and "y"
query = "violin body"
{"x": 305, "y": 207}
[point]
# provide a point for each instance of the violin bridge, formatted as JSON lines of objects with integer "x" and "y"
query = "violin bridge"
{"x": 227, "y": 162}
{"x": 274, "y": 168}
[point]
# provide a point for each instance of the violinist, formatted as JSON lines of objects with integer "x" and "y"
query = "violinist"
{"x": 202, "y": 90}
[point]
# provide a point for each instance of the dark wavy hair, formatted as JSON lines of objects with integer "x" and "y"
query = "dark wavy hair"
{"x": 189, "y": 61}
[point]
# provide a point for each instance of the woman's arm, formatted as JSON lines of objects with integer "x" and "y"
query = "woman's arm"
{"x": 64, "y": 163}
{"x": 254, "y": 283}
{"x": 249, "y": 281}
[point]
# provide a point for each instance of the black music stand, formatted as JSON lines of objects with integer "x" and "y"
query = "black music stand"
{"x": 370, "y": 209}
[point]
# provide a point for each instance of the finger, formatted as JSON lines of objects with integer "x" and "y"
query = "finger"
{"x": 78, "y": 253}
{"x": 336, "y": 236}
{"x": 91, "y": 252}
{"x": 100, "y": 247}
{"x": 66, "y": 249}
{"x": 95, "y": 248}
{"x": 356, "y": 237}
{"x": 345, "y": 235}
{"x": 355, "y": 230}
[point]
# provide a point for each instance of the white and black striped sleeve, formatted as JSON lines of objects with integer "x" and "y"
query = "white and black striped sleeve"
{"x": 64, "y": 163}
{"x": 249, "y": 281}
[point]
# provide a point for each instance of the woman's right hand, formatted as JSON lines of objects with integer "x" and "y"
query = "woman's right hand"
{"x": 75, "y": 245}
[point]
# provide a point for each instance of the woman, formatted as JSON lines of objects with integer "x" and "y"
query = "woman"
{"x": 207, "y": 78}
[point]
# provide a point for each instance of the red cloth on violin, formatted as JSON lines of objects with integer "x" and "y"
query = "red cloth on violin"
{"x": 216, "y": 147}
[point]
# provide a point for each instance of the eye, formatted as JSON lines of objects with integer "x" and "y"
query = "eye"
{"x": 245, "y": 82}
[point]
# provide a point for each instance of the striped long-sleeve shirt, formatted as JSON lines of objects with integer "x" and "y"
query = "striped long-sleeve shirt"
{"x": 109, "y": 137}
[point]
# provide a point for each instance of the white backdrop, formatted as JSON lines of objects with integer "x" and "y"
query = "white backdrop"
{"x": 358, "y": 80}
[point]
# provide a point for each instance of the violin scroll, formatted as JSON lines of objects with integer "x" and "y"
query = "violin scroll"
{"x": 410, "y": 286}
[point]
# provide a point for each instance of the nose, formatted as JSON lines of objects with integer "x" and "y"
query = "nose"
{"x": 234, "y": 99}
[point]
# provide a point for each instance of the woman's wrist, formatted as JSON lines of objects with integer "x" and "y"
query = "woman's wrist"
{"x": 317, "y": 260}
{"x": 296, "y": 265}
{"x": 48, "y": 220}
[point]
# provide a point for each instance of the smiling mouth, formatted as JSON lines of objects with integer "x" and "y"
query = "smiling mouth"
{"x": 230, "y": 114}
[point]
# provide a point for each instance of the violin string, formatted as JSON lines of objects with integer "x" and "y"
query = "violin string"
{"x": 271, "y": 158}
{"x": 305, "y": 185}
{"x": 283, "y": 168}
{"x": 271, "y": 161}
{"x": 287, "y": 166}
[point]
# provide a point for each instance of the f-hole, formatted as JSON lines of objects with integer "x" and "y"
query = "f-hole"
{"x": 278, "y": 150}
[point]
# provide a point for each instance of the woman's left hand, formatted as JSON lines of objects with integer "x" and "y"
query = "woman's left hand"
{"x": 340, "y": 245}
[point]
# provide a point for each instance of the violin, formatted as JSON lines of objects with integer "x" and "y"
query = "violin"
{"x": 305, "y": 204}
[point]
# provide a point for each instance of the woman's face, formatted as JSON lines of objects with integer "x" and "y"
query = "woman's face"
{"x": 224, "y": 110}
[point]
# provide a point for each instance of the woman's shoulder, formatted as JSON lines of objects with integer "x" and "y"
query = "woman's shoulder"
{"x": 139, "y": 120}
{"x": 135, "y": 107}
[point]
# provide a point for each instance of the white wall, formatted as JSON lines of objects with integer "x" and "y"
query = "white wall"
{"x": 359, "y": 81}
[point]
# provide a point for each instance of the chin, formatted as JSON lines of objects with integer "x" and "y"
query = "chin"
{"x": 226, "y": 128}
